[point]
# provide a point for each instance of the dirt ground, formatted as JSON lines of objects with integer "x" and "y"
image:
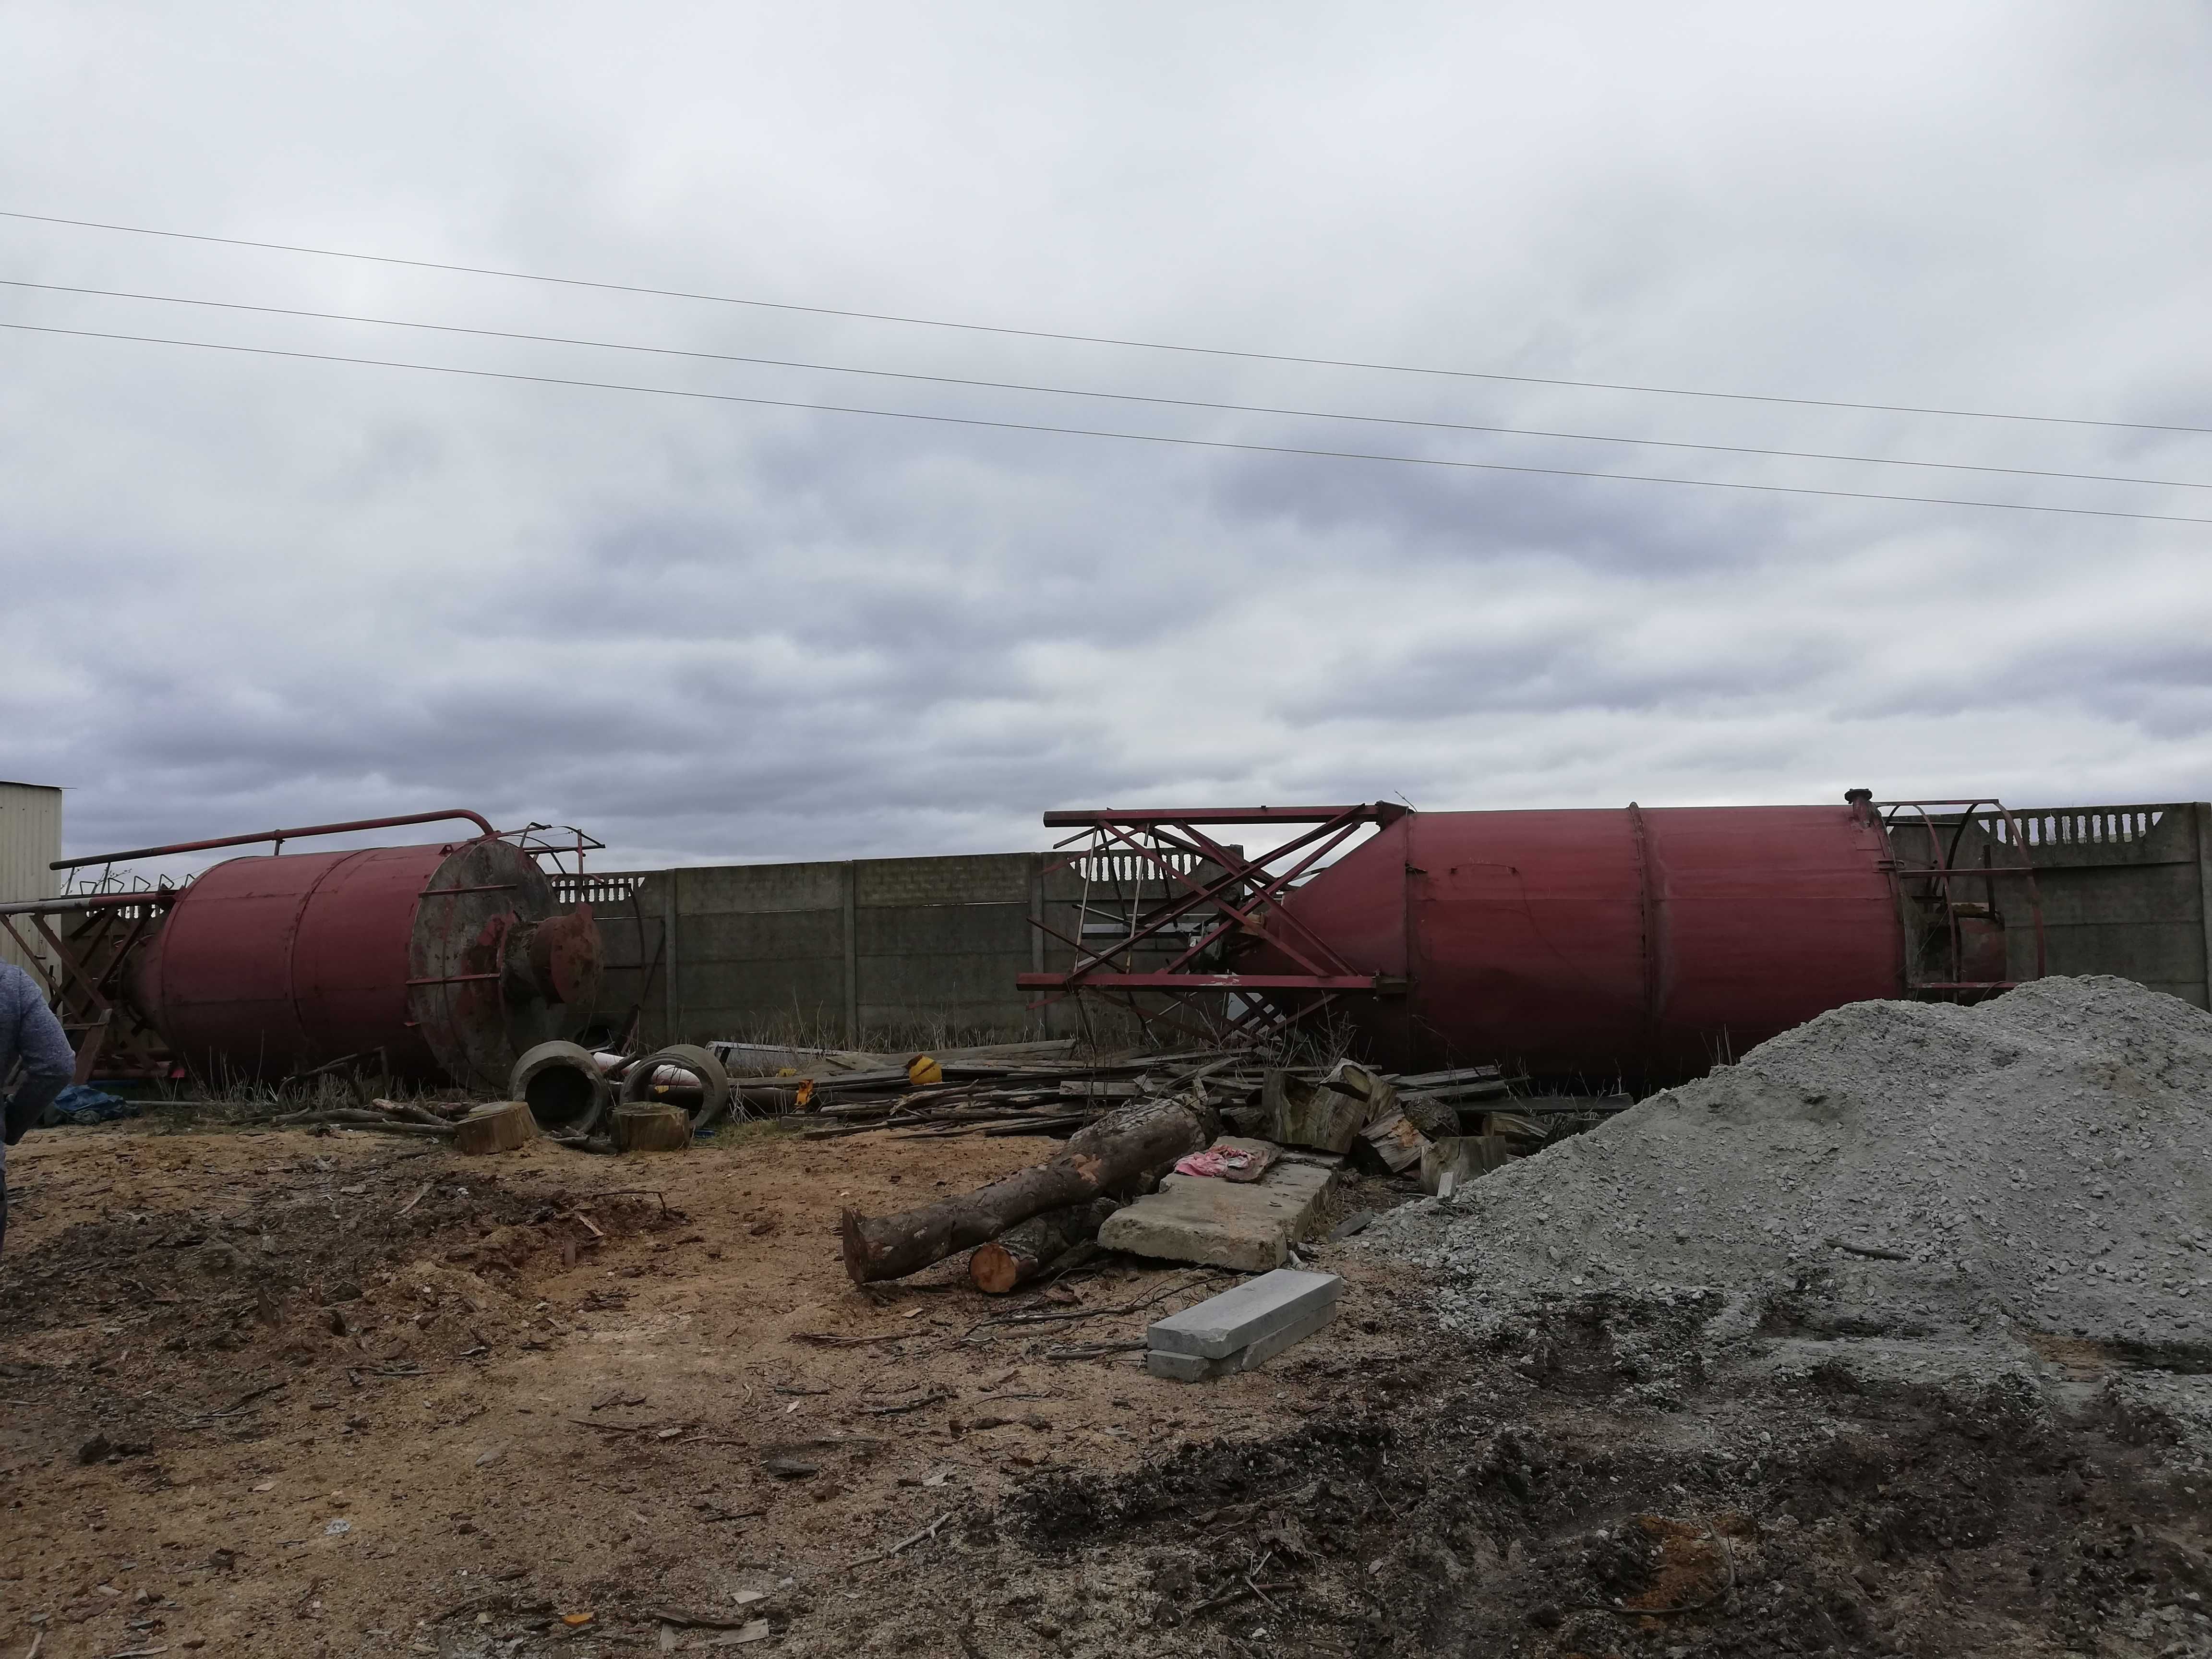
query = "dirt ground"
{"x": 276, "y": 1393}
{"x": 283, "y": 1393}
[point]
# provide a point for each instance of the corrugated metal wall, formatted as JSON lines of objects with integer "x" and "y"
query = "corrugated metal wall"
{"x": 30, "y": 839}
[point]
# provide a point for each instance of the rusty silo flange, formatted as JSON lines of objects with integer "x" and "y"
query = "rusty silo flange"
{"x": 564, "y": 1087}
{"x": 482, "y": 989}
{"x": 713, "y": 1082}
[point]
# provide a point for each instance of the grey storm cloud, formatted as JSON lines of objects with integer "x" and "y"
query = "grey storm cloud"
{"x": 1472, "y": 517}
{"x": 245, "y": 591}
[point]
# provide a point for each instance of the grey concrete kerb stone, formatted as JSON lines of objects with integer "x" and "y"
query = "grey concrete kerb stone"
{"x": 1189, "y": 1368}
{"x": 1237, "y": 1318}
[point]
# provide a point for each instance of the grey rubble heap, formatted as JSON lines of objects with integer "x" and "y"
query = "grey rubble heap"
{"x": 2045, "y": 1157}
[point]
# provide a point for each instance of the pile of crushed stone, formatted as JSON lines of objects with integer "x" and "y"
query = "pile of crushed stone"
{"x": 2044, "y": 1159}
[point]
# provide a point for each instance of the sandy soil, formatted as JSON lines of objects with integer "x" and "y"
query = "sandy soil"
{"x": 276, "y": 1394}
{"x": 283, "y": 1393}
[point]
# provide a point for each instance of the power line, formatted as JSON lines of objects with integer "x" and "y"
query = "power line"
{"x": 1097, "y": 339}
{"x": 1118, "y": 397}
{"x": 1093, "y": 432}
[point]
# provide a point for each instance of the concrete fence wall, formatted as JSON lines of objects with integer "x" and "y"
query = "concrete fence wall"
{"x": 2124, "y": 891}
{"x": 838, "y": 952}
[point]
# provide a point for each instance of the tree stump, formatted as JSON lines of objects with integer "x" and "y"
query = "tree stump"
{"x": 499, "y": 1128}
{"x": 651, "y": 1128}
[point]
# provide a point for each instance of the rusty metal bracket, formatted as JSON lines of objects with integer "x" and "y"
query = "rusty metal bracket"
{"x": 1938, "y": 904}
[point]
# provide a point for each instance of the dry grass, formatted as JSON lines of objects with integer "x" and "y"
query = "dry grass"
{"x": 235, "y": 1101}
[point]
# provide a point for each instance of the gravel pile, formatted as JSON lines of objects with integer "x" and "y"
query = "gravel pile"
{"x": 2044, "y": 1159}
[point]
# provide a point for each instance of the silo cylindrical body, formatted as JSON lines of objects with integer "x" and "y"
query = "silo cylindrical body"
{"x": 427, "y": 962}
{"x": 1640, "y": 945}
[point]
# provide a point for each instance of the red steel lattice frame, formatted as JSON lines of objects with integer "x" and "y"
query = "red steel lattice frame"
{"x": 1214, "y": 895}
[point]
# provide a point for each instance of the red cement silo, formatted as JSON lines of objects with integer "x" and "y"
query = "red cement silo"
{"x": 443, "y": 960}
{"x": 1642, "y": 945}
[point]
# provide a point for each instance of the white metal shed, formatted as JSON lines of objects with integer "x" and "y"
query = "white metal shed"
{"x": 30, "y": 839}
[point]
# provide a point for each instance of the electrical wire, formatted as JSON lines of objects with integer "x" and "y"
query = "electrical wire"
{"x": 1097, "y": 339}
{"x": 1094, "y": 432}
{"x": 1117, "y": 397}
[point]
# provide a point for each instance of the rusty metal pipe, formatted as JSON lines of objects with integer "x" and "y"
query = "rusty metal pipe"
{"x": 85, "y": 902}
{"x": 279, "y": 836}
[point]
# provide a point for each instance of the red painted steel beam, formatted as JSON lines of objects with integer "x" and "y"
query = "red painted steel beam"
{"x": 277, "y": 836}
{"x": 74, "y": 973}
{"x": 1332, "y": 835}
{"x": 1235, "y": 875}
{"x": 1203, "y": 981}
{"x": 1236, "y": 871}
{"x": 1381, "y": 811}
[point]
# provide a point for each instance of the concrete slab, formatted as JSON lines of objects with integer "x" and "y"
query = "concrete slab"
{"x": 1247, "y": 1225}
{"x": 1190, "y": 1367}
{"x": 1245, "y": 1312}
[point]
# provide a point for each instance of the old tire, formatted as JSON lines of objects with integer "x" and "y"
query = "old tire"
{"x": 567, "y": 1091}
{"x": 637, "y": 1086}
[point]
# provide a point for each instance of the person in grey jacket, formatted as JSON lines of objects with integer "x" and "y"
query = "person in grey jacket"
{"x": 29, "y": 1033}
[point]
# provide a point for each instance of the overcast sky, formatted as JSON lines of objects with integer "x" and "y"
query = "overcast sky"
{"x": 244, "y": 591}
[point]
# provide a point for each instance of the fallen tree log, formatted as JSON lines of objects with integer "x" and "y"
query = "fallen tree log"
{"x": 1026, "y": 1250}
{"x": 348, "y": 1118}
{"x": 1110, "y": 1156}
{"x": 407, "y": 1110}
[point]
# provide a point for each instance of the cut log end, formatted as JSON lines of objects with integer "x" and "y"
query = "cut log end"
{"x": 853, "y": 1244}
{"x": 1022, "y": 1252}
{"x": 500, "y": 1127}
{"x": 994, "y": 1269}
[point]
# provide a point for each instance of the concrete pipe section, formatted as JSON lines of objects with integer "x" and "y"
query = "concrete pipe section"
{"x": 649, "y": 1080}
{"x": 562, "y": 1083}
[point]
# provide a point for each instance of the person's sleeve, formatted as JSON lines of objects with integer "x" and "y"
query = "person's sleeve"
{"x": 48, "y": 1063}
